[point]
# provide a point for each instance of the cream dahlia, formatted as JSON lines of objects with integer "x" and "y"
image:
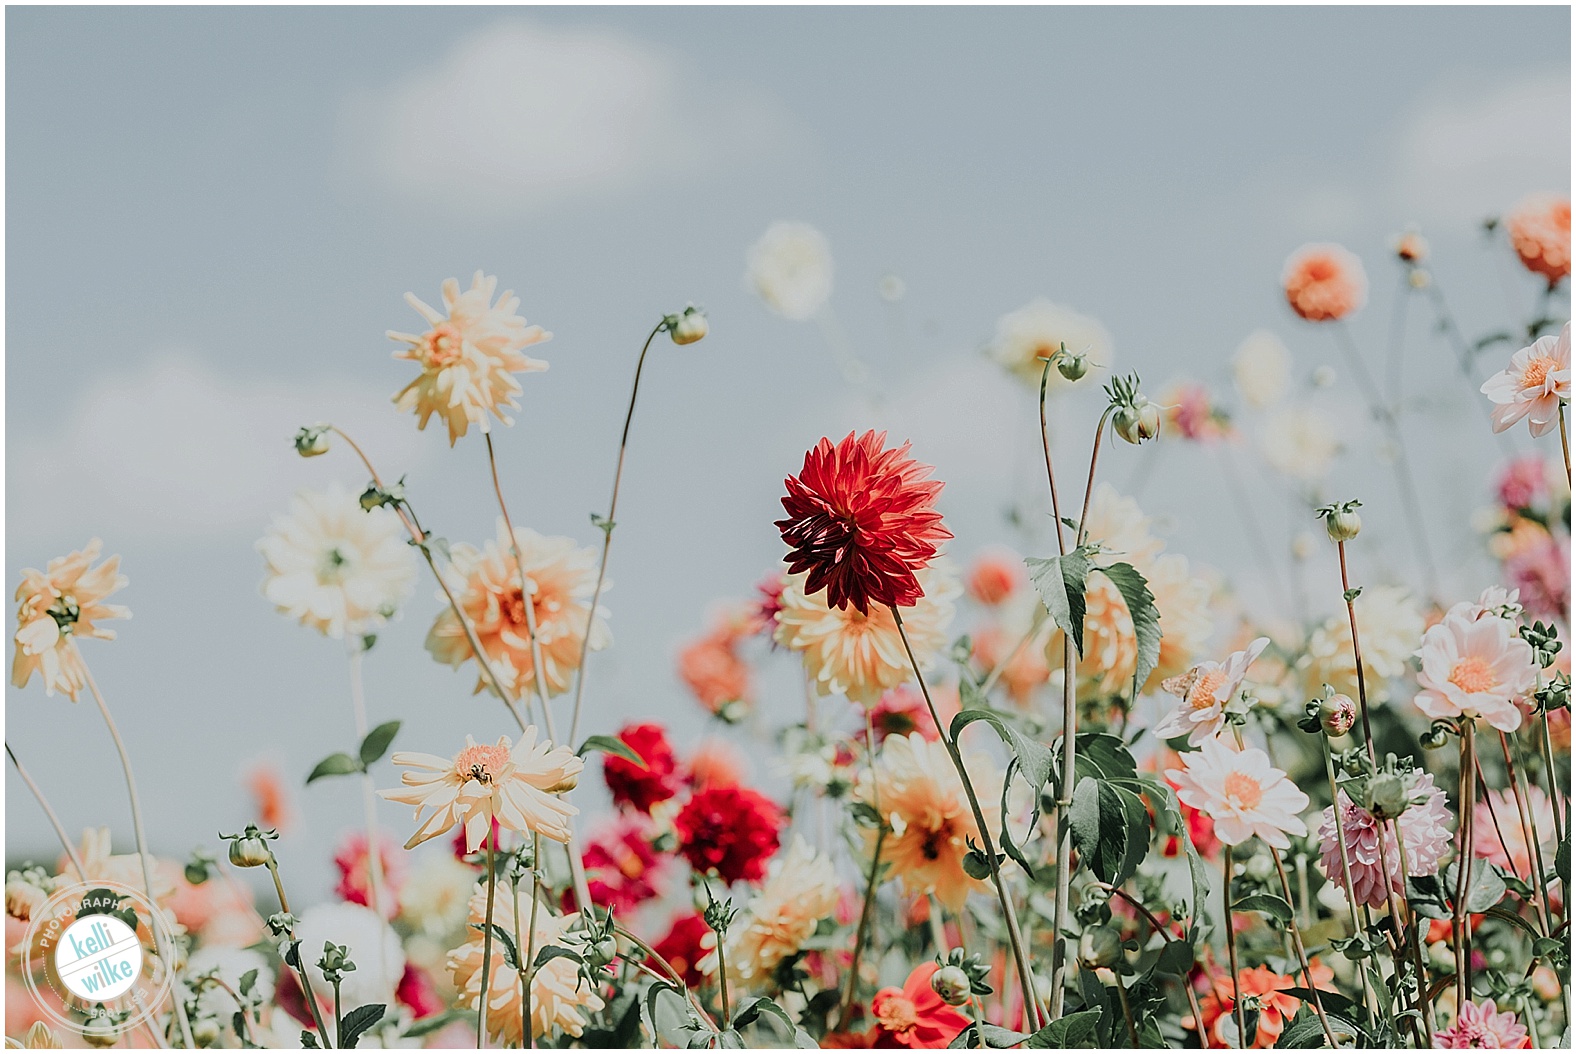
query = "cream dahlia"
{"x": 1027, "y": 337}
{"x": 790, "y": 269}
{"x": 1242, "y": 792}
{"x": 335, "y": 567}
{"x": 64, "y": 601}
{"x": 519, "y": 787}
{"x": 468, "y": 358}
{"x": 486, "y": 583}
{"x": 800, "y": 890}
{"x": 1389, "y": 622}
{"x": 1300, "y": 442}
{"x": 1261, "y": 369}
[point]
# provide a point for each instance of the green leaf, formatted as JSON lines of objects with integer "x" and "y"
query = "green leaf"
{"x": 1485, "y": 886}
{"x": 511, "y": 952}
{"x": 377, "y": 742}
{"x": 1074, "y": 1030}
{"x": 1110, "y": 829}
{"x": 335, "y": 765}
{"x": 433, "y": 1022}
{"x": 1034, "y": 758}
{"x": 1506, "y": 915}
{"x": 752, "y": 1010}
{"x": 1060, "y": 581}
{"x": 996, "y": 1037}
{"x": 1105, "y": 756}
{"x": 1266, "y": 904}
{"x": 357, "y": 1022}
{"x": 611, "y": 745}
{"x": 551, "y": 952}
{"x": 1562, "y": 862}
{"x": 1427, "y": 897}
{"x": 248, "y": 982}
{"x": 309, "y": 1040}
{"x": 1305, "y": 1032}
{"x": 1177, "y": 957}
{"x": 1146, "y": 617}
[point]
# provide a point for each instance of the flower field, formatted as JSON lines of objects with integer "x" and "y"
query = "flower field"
{"x": 1068, "y": 795}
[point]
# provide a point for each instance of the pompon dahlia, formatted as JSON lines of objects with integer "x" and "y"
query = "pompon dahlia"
{"x": 1482, "y": 1025}
{"x": 1425, "y": 828}
{"x": 468, "y": 357}
{"x": 1324, "y": 283}
{"x": 637, "y": 788}
{"x": 64, "y": 600}
{"x": 1540, "y": 232}
{"x": 861, "y": 521}
{"x": 730, "y": 830}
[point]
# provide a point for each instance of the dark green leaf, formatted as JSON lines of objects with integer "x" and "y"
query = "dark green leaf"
{"x": 377, "y": 742}
{"x": 1110, "y": 828}
{"x": 357, "y": 1022}
{"x": 248, "y": 982}
{"x": 1074, "y": 1030}
{"x": 995, "y": 1037}
{"x": 551, "y": 952}
{"x": 1267, "y": 904}
{"x": 1034, "y": 757}
{"x": 511, "y": 953}
{"x": 1177, "y": 957}
{"x": 309, "y": 1040}
{"x": 1562, "y": 862}
{"x": 752, "y": 1010}
{"x": 1146, "y": 617}
{"x": 1104, "y": 755}
{"x": 1427, "y": 897}
{"x": 1060, "y": 581}
{"x": 335, "y": 765}
{"x": 1305, "y": 1032}
{"x": 1485, "y": 886}
{"x": 611, "y": 745}
{"x": 433, "y": 1022}
{"x": 1506, "y": 915}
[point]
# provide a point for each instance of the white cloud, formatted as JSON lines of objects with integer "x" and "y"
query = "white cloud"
{"x": 176, "y": 451}
{"x": 520, "y": 116}
{"x": 1477, "y": 150}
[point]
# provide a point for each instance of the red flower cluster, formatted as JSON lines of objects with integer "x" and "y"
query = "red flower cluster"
{"x": 682, "y": 948}
{"x": 639, "y": 788}
{"x": 861, "y": 521}
{"x": 713, "y": 670}
{"x": 355, "y": 871}
{"x": 622, "y": 869}
{"x": 731, "y": 830}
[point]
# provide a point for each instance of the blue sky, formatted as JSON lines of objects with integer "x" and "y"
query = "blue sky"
{"x": 213, "y": 213}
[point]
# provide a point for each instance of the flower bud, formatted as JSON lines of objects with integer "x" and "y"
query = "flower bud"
{"x": 602, "y": 951}
{"x": 1149, "y": 419}
{"x": 1099, "y": 947}
{"x": 1072, "y": 367}
{"x": 206, "y": 1031}
{"x": 1259, "y": 867}
{"x": 1342, "y": 524}
{"x": 1434, "y": 739}
{"x": 100, "y": 1031}
{"x": 41, "y": 1037}
{"x": 1337, "y": 714}
{"x": 688, "y": 327}
{"x": 250, "y": 850}
{"x": 1125, "y": 421}
{"x": 1387, "y": 795}
{"x": 951, "y": 984}
{"x": 310, "y": 442}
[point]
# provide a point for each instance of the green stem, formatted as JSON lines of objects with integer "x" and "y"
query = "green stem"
{"x": 1302, "y": 952}
{"x": 861, "y": 932}
{"x": 54, "y": 821}
{"x": 339, "y": 1027}
{"x": 1425, "y": 1005}
{"x": 300, "y": 967}
{"x": 485, "y": 994}
{"x": 1346, "y": 867}
{"x": 1529, "y": 825}
{"x": 1231, "y": 951}
{"x": 1357, "y": 655}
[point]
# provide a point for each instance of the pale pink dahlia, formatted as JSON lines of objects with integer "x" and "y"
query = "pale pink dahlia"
{"x": 1475, "y": 668}
{"x": 1482, "y": 1025}
{"x": 1425, "y": 828}
{"x": 1535, "y": 384}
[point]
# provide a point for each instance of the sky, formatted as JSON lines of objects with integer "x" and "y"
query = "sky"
{"x": 213, "y": 215}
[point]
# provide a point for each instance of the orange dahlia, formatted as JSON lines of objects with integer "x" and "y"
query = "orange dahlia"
{"x": 861, "y": 520}
{"x": 1540, "y": 232}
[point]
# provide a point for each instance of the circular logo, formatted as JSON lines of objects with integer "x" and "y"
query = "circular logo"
{"x": 98, "y": 957}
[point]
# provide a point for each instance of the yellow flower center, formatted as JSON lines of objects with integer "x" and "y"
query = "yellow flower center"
{"x": 1204, "y": 689}
{"x": 1472, "y": 674}
{"x": 1537, "y": 371}
{"x": 897, "y": 1014}
{"x": 440, "y": 347}
{"x": 1243, "y": 791}
{"x": 481, "y": 763}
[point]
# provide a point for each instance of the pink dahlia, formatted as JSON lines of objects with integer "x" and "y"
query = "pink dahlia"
{"x": 861, "y": 520}
{"x": 1535, "y": 385}
{"x": 1425, "y": 828}
{"x": 1482, "y": 1025}
{"x": 1522, "y": 483}
{"x": 1499, "y": 837}
{"x": 1475, "y": 667}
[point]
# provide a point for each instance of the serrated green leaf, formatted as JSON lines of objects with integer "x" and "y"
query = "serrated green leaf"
{"x": 1562, "y": 862}
{"x": 611, "y": 745}
{"x": 1105, "y": 756}
{"x": 1177, "y": 958}
{"x": 1265, "y": 904}
{"x": 356, "y": 1023}
{"x": 1130, "y": 582}
{"x": 1110, "y": 828}
{"x": 1061, "y": 582}
{"x": 1034, "y": 758}
{"x": 1074, "y": 1031}
{"x": 377, "y": 742}
{"x": 335, "y": 765}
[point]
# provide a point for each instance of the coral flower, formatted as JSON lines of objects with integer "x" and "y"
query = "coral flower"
{"x": 862, "y": 656}
{"x": 915, "y": 787}
{"x": 1535, "y": 385}
{"x": 517, "y": 786}
{"x": 1498, "y": 836}
{"x": 861, "y": 520}
{"x": 486, "y": 584}
{"x": 1206, "y": 690}
{"x": 1242, "y": 792}
{"x": 1027, "y": 337}
{"x": 272, "y": 803}
{"x": 1475, "y": 667}
{"x": 800, "y": 890}
{"x": 468, "y": 358}
{"x": 715, "y": 673}
{"x": 622, "y": 868}
{"x": 994, "y": 577}
{"x": 1024, "y": 671}
{"x": 914, "y": 1016}
{"x": 335, "y": 567}
{"x": 353, "y": 862}
{"x": 560, "y": 998}
{"x": 730, "y": 830}
{"x": 1425, "y": 830}
{"x": 1324, "y": 283}
{"x": 1540, "y": 571}
{"x": 63, "y": 601}
{"x": 1540, "y": 232}
{"x": 1481, "y": 1025}
{"x": 639, "y": 787}
{"x": 1276, "y": 1008}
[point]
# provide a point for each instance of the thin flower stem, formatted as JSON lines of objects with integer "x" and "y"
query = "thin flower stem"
{"x": 1404, "y": 936}
{"x": 484, "y": 996}
{"x": 1009, "y": 914}
{"x": 163, "y": 938}
{"x": 1001, "y": 667}
{"x": 54, "y": 821}
{"x": 339, "y": 1027}
{"x": 1357, "y": 655}
{"x": 722, "y": 981}
{"x": 1302, "y": 953}
{"x": 1529, "y": 826}
{"x": 1164, "y": 931}
{"x": 528, "y": 1022}
{"x": 577, "y": 871}
{"x": 1231, "y": 950}
{"x": 1556, "y": 786}
{"x": 607, "y": 530}
{"x": 1460, "y": 923}
{"x": 300, "y": 967}
{"x": 667, "y": 970}
{"x": 358, "y": 707}
{"x": 1565, "y": 443}
{"x": 1425, "y": 1005}
{"x": 1094, "y": 460}
{"x": 871, "y": 882}
{"x": 1493, "y": 813}
{"x": 1346, "y": 867}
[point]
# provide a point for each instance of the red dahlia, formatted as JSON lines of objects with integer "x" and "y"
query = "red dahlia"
{"x": 861, "y": 521}
{"x": 623, "y": 871}
{"x": 639, "y": 788}
{"x": 730, "y": 830}
{"x": 682, "y": 947}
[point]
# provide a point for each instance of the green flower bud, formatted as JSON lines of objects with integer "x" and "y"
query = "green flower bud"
{"x": 1072, "y": 367}
{"x": 250, "y": 850}
{"x": 1099, "y": 947}
{"x": 688, "y": 327}
{"x": 951, "y": 984}
{"x": 1387, "y": 795}
{"x": 101, "y": 1031}
{"x": 310, "y": 442}
{"x": 1125, "y": 421}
